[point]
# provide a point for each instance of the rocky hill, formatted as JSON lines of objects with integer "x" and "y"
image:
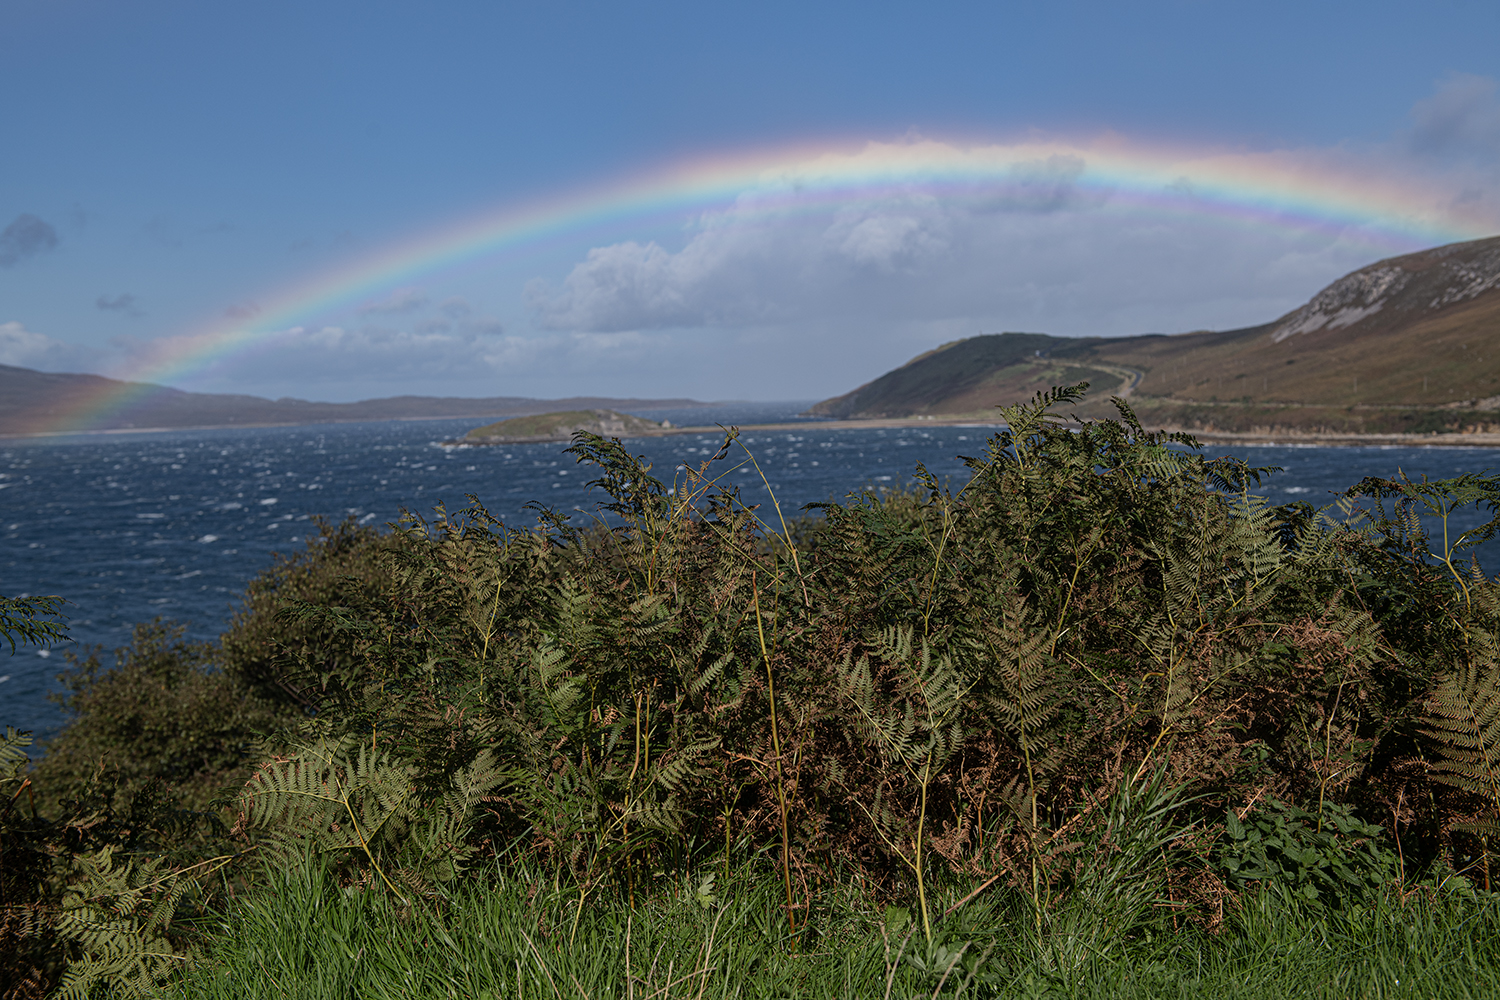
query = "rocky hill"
{"x": 33, "y": 402}
{"x": 1409, "y": 344}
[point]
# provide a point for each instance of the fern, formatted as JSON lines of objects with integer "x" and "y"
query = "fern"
{"x": 916, "y": 732}
{"x": 118, "y": 916}
{"x": 29, "y": 619}
{"x": 1463, "y": 722}
{"x": 13, "y": 758}
{"x": 341, "y": 796}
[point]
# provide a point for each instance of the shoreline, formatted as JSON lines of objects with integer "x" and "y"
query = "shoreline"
{"x": 1454, "y": 440}
{"x": 1260, "y": 439}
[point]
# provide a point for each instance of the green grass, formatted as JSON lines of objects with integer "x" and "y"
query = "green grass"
{"x": 492, "y": 936}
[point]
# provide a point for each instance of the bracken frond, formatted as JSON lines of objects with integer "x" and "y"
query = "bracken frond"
{"x": 1463, "y": 723}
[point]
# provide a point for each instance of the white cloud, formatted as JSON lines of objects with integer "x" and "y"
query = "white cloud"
{"x": 25, "y": 348}
{"x": 832, "y": 268}
{"x": 1062, "y": 238}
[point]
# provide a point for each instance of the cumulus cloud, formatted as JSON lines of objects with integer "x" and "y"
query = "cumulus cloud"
{"x": 1067, "y": 238}
{"x": 28, "y": 349}
{"x": 25, "y": 237}
{"x": 124, "y": 303}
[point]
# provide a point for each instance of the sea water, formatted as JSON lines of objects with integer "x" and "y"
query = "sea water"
{"x": 132, "y": 527}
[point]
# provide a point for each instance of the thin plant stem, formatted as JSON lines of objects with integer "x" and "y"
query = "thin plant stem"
{"x": 786, "y": 534}
{"x": 489, "y": 631}
{"x": 786, "y": 848}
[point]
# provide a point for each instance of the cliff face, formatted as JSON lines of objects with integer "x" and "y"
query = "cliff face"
{"x": 1406, "y": 344}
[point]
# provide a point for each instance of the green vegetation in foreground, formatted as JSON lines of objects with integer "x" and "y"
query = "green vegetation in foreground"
{"x": 509, "y": 933}
{"x": 1101, "y": 721}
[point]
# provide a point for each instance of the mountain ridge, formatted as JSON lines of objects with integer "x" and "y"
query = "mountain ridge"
{"x": 34, "y": 403}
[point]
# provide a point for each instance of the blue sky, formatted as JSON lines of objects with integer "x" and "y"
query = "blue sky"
{"x": 168, "y": 167}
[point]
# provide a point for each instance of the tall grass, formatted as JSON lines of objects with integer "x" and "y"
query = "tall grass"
{"x": 505, "y": 933}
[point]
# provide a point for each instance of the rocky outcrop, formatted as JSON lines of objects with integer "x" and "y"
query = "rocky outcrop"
{"x": 1403, "y": 287}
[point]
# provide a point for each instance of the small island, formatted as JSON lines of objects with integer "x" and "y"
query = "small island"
{"x": 560, "y": 427}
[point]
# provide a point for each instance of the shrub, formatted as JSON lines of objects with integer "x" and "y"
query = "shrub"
{"x": 1062, "y": 676}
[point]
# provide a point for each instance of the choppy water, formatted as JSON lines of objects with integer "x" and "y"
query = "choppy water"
{"x": 132, "y": 527}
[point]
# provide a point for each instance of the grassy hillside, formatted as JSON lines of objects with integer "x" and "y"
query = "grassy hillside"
{"x": 561, "y": 426}
{"x": 1407, "y": 344}
{"x": 969, "y": 375}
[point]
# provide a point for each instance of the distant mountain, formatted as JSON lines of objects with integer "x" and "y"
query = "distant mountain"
{"x": 33, "y": 402}
{"x": 1406, "y": 344}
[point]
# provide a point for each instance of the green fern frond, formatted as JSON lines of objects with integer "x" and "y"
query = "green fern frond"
{"x": 1463, "y": 722}
{"x": 13, "y": 757}
{"x": 673, "y": 773}
{"x": 710, "y": 674}
{"x": 118, "y": 916}
{"x": 340, "y": 795}
{"x": 923, "y": 726}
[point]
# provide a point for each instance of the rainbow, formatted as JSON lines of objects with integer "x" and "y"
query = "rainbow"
{"x": 1288, "y": 191}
